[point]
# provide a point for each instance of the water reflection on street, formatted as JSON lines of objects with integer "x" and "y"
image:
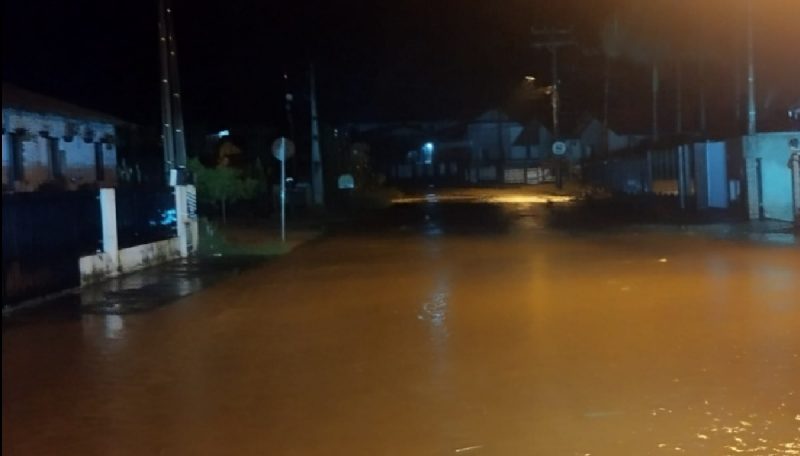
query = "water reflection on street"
{"x": 452, "y": 328}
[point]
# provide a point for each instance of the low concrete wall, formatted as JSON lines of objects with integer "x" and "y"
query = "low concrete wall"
{"x": 772, "y": 151}
{"x": 97, "y": 267}
{"x": 145, "y": 255}
{"x": 102, "y": 265}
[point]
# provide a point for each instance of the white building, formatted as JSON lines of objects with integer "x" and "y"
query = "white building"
{"x": 50, "y": 142}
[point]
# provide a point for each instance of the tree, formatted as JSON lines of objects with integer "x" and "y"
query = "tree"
{"x": 642, "y": 33}
{"x": 222, "y": 185}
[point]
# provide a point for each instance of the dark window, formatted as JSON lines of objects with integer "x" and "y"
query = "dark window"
{"x": 54, "y": 156}
{"x": 17, "y": 166}
{"x": 99, "y": 165}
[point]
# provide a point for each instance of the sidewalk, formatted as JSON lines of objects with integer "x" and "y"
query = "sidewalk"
{"x": 224, "y": 252}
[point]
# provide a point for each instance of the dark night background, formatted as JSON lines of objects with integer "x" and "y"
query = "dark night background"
{"x": 375, "y": 60}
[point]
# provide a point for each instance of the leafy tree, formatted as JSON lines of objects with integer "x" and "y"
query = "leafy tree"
{"x": 222, "y": 185}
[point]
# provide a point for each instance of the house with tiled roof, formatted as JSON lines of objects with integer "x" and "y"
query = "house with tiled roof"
{"x": 50, "y": 143}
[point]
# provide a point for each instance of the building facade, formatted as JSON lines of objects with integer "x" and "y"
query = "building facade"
{"x": 51, "y": 144}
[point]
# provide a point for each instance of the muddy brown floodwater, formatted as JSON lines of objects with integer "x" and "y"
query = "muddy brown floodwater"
{"x": 480, "y": 334}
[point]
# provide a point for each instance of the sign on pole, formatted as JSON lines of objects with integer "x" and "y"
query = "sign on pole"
{"x": 559, "y": 148}
{"x": 283, "y": 149}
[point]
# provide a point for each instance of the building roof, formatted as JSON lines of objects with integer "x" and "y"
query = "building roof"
{"x": 18, "y": 98}
{"x": 530, "y": 135}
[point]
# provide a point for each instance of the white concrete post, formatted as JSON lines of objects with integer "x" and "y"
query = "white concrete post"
{"x": 794, "y": 161}
{"x": 191, "y": 209}
{"x": 181, "y": 216}
{"x": 108, "y": 215}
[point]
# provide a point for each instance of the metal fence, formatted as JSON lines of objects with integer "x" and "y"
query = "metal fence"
{"x": 145, "y": 216}
{"x": 44, "y": 235}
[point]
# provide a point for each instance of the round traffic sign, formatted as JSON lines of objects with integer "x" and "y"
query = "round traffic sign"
{"x": 559, "y": 148}
{"x": 282, "y": 148}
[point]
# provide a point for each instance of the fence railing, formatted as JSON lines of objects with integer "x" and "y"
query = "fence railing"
{"x": 44, "y": 234}
{"x": 144, "y": 216}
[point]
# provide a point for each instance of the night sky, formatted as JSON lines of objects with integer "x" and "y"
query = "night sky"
{"x": 375, "y": 60}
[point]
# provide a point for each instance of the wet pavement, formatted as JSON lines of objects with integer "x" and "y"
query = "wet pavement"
{"x": 449, "y": 328}
{"x": 134, "y": 292}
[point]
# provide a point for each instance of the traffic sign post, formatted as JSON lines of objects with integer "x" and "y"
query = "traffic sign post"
{"x": 283, "y": 149}
{"x": 559, "y": 149}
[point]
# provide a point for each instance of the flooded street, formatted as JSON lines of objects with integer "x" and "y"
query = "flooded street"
{"x": 450, "y": 329}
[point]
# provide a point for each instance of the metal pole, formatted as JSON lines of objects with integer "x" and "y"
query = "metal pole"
{"x": 283, "y": 191}
{"x": 751, "y": 73}
{"x": 556, "y": 126}
{"x": 679, "y": 97}
{"x": 681, "y": 178}
{"x": 654, "y": 88}
{"x": 317, "y": 185}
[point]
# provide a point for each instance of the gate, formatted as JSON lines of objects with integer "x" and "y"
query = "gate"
{"x": 44, "y": 235}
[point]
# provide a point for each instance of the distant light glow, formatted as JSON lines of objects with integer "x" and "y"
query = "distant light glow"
{"x": 427, "y": 153}
{"x": 223, "y": 133}
{"x": 529, "y": 199}
{"x": 168, "y": 217}
{"x": 497, "y": 199}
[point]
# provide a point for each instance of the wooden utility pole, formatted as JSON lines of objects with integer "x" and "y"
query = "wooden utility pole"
{"x": 553, "y": 39}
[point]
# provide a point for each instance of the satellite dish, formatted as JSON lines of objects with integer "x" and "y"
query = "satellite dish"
{"x": 282, "y": 148}
{"x": 559, "y": 148}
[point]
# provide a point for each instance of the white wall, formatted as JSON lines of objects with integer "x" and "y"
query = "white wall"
{"x": 102, "y": 265}
{"x": 711, "y": 175}
{"x": 776, "y": 177}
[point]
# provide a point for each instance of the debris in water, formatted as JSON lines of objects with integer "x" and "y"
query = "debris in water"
{"x": 702, "y": 436}
{"x": 662, "y": 260}
{"x": 469, "y": 448}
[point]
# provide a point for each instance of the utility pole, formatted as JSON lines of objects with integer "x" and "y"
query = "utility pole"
{"x": 607, "y": 86}
{"x": 172, "y": 129}
{"x": 166, "y": 105}
{"x": 751, "y": 73}
{"x": 289, "y": 116}
{"x": 679, "y": 96}
{"x": 553, "y": 39}
{"x": 317, "y": 182}
{"x": 177, "y": 105}
{"x": 655, "y": 84}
